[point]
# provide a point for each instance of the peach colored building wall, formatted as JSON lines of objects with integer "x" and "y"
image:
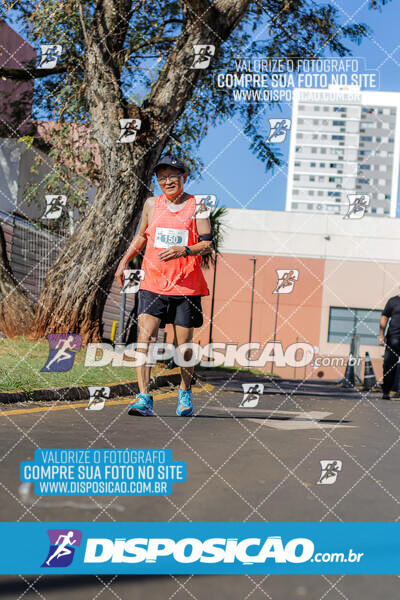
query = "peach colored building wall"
{"x": 304, "y": 313}
{"x": 299, "y": 314}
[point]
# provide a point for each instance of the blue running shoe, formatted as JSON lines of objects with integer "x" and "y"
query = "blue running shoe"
{"x": 143, "y": 406}
{"x": 185, "y": 406}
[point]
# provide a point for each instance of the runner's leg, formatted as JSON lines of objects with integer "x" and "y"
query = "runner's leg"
{"x": 148, "y": 331}
{"x": 182, "y": 336}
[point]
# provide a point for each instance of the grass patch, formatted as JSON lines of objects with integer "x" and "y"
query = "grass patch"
{"x": 21, "y": 361}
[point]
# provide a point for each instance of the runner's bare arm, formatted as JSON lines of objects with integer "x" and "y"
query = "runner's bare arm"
{"x": 205, "y": 246}
{"x": 199, "y": 249}
{"x": 382, "y": 327}
{"x": 138, "y": 242}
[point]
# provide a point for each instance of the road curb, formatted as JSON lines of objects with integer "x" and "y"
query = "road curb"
{"x": 82, "y": 392}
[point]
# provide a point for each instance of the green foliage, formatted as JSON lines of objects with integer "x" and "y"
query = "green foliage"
{"x": 27, "y": 140}
{"x": 216, "y": 219}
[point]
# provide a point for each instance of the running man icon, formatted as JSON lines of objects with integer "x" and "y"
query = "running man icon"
{"x": 62, "y": 351}
{"x": 329, "y": 471}
{"x": 132, "y": 280}
{"x": 98, "y": 397}
{"x": 62, "y": 547}
{"x": 279, "y": 128}
{"x": 55, "y": 204}
{"x": 251, "y": 394}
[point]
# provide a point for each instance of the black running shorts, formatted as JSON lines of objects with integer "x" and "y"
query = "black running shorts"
{"x": 185, "y": 311}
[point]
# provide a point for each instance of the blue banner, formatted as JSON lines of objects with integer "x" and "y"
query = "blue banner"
{"x": 103, "y": 472}
{"x": 200, "y": 548}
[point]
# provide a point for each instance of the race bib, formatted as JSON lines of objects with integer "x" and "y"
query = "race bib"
{"x": 165, "y": 237}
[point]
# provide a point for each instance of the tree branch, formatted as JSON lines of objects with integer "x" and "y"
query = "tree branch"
{"x": 30, "y": 72}
{"x": 206, "y": 22}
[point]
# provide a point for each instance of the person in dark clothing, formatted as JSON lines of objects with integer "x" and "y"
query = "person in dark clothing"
{"x": 392, "y": 342}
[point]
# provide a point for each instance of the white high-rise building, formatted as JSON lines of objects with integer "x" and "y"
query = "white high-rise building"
{"x": 344, "y": 141}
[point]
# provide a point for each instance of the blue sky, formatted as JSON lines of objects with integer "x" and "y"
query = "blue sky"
{"x": 235, "y": 175}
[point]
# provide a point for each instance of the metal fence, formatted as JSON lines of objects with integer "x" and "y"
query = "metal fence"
{"x": 31, "y": 251}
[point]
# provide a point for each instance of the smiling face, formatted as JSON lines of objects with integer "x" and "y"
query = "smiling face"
{"x": 171, "y": 181}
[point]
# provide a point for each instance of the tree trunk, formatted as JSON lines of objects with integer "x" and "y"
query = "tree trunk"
{"x": 77, "y": 284}
{"x": 16, "y": 310}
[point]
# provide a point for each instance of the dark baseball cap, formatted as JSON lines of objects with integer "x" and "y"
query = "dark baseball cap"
{"x": 170, "y": 161}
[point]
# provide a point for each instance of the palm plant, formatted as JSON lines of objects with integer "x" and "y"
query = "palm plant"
{"x": 216, "y": 219}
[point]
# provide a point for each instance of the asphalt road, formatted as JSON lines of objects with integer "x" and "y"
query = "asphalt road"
{"x": 258, "y": 463}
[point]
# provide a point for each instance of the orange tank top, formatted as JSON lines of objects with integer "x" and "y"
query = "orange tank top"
{"x": 179, "y": 276}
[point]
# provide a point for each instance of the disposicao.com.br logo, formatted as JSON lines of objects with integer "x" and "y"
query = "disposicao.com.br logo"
{"x": 248, "y": 551}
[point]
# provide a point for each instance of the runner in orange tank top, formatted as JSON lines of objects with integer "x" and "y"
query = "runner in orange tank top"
{"x": 175, "y": 236}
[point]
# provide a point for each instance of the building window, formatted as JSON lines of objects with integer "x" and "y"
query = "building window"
{"x": 316, "y": 108}
{"x": 365, "y": 167}
{"x": 313, "y": 164}
{"x": 302, "y": 107}
{"x": 323, "y": 150}
{"x": 315, "y": 121}
{"x": 333, "y": 165}
{"x": 311, "y": 178}
{"x": 338, "y": 123}
{"x": 339, "y": 137}
{"x": 366, "y": 138}
{"x": 296, "y": 178}
{"x": 311, "y": 192}
{"x": 322, "y": 165}
{"x": 294, "y": 204}
{"x": 295, "y": 192}
{"x": 298, "y": 148}
{"x": 300, "y": 136}
{"x": 301, "y": 121}
{"x": 345, "y": 322}
{"x": 297, "y": 163}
